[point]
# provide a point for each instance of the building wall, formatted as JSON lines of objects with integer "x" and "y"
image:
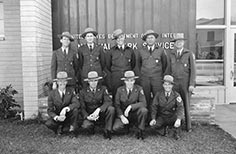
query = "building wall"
{"x": 133, "y": 16}
{"x": 36, "y": 38}
{"x": 10, "y": 49}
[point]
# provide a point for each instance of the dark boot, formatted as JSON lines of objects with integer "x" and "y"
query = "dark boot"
{"x": 176, "y": 134}
{"x": 165, "y": 131}
{"x": 107, "y": 134}
{"x": 139, "y": 134}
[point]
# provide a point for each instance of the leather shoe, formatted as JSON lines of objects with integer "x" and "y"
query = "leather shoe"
{"x": 107, "y": 134}
{"x": 165, "y": 131}
{"x": 139, "y": 135}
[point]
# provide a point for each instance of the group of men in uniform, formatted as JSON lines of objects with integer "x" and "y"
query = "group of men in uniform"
{"x": 161, "y": 98}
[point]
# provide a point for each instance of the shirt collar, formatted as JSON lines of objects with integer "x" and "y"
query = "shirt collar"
{"x": 152, "y": 47}
{"x": 122, "y": 47}
{"x": 90, "y": 45}
{"x": 63, "y": 49}
{"x": 62, "y": 92}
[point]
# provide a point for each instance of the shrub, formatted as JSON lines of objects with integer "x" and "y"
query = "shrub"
{"x": 7, "y": 102}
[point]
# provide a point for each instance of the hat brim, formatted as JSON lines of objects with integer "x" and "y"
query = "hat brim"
{"x": 174, "y": 40}
{"x": 97, "y": 78}
{"x": 116, "y": 37}
{"x": 168, "y": 81}
{"x": 62, "y": 79}
{"x": 93, "y": 32}
{"x": 145, "y": 36}
{"x": 70, "y": 37}
{"x": 126, "y": 78}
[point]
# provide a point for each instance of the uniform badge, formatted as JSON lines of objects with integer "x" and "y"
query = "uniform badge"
{"x": 141, "y": 91}
{"x": 157, "y": 61}
{"x": 179, "y": 99}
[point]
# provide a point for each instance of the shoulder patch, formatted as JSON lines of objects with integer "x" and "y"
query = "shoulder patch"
{"x": 179, "y": 99}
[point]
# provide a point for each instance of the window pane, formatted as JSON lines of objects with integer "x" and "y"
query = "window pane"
{"x": 1, "y": 10}
{"x": 210, "y": 54}
{"x": 233, "y": 12}
{"x": 1, "y": 27}
{"x": 210, "y": 12}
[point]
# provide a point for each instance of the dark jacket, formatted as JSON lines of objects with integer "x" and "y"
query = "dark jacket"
{"x": 167, "y": 108}
{"x": 136, "y": 99}
{"x": 91, "y": 101}
{"x": 183, "y": 67}
{"x": 153, "y": 64}
{"x": 91, "y": 60}
{"x": 67, "y": 63}
{"x": 120, "y": 60}
{"x": 55, "y": 103}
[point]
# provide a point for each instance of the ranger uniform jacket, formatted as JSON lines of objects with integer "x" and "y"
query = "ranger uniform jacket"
{"x": 90, "y": 101}
{"x": 136, "y": 99}
{"x": 167, "y": 108}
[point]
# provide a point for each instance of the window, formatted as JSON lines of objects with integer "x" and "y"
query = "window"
{"x": 1, "y": 22}
{"x": 210, "y": 12}
{"x": 233, "y": 12}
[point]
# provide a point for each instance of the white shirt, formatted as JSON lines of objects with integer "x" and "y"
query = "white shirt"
{"x": 63, "y": 49}
{"x": 121, "y": 47}
{"x": 151, "y": 47}
{"x": 90, "y": 45}
{"x": 60, "y": 92}
{"x": 179, "y": 51}
{"x": 128, "y": 90}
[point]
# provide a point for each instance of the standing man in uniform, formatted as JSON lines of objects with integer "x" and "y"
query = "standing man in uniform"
{"x": 184, "y": 72}
{"x": 63, "y": 107}
{"x": 91, "y": 55}
{"x": 153, "y": 65}
{"x": 96, "y": 105}
{"x": 64, "y": 59}
{"x": 130, "y": 104}
{"x": 120, "y": 58}
{"x": 167, "y": 108}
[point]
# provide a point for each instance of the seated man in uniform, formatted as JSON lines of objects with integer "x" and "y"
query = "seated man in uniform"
{"x": 130, "y": 104}
{"x": 63, "y": 107}
{"x": 96, "y": 105}
{"x": 167, "y": 108}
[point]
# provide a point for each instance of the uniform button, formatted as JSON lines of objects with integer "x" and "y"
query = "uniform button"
{"x": 90, "y": 59}
{"x": 90, "y": 55}
{"x": 90, "y": 64}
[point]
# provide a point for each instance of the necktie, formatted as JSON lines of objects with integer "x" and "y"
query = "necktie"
{"x": 129, "y": 93}
{"x": 178, "y": 54}
{"x": 150, "y": 50}
{"x": 63, "y": 95}
{"x": 94, "y": 91}
{"x": 90, "y": 48}
{"x": 64, "y": 52}
{"x": 167, "y": 96}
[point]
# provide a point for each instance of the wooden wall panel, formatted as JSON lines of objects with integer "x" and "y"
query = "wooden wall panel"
{"x": 133, "y": 16}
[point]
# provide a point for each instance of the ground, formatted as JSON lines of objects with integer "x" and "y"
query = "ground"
{"x": 32, "y": 137}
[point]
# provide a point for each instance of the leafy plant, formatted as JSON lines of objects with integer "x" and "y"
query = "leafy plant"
{"x": 7, "y": 102}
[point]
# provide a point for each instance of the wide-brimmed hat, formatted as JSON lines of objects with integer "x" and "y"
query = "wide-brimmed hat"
{"x": 89, "y": 30}
{"x": 168, "y": 78}
{"x": 62, "y": 76}
{"x": 66, "y": 34}
{"x": 178, "y": 36}
{"x": 149, "y": 32}
{"x": 93, "y": 75}
{"x": 117, "y": 33}
{"x": 129, "y": 75}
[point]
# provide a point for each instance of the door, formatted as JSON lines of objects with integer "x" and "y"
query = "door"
{"x": 231, "y": 77}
